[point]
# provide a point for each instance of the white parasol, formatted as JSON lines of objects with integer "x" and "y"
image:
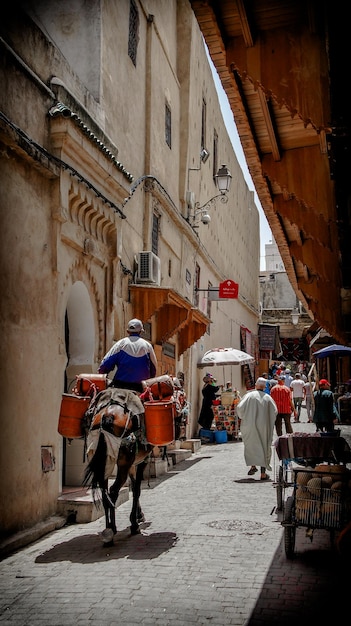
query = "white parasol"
{"x": 225, "y": 356}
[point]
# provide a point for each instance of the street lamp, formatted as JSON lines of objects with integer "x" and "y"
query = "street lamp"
{"x": 223, "y": 180}
{"x": 295, "y": 314}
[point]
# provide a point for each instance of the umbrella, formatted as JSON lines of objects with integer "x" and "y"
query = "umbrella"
{"x": 225, "y": 356}
{"x": 333, "y": 350}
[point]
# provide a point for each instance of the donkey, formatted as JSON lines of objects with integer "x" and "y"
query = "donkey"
{"x": 116, "y": 436}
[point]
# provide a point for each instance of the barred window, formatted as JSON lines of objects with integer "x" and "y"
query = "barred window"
{"x": 155, "y": 232}
{"x": 215, "y": 154}
{"x": 209, "y": 285}
{"x": 168, "y": 126}
{"x": 203, "y": 124}
{"x": 133, "y": 39}
{"x": 197, "y": 285}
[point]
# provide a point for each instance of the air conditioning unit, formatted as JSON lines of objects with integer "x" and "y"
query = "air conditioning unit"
{"x": 149, "y": 268}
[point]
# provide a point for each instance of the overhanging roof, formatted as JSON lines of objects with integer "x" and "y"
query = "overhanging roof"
{"x": 174, "y": 314}
{"x": 281, "y": 65}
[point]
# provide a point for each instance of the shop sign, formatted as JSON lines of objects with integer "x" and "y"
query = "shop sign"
{"x": 228, "y": 289}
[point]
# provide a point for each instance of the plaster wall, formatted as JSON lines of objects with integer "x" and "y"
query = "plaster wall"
{"x": 68, "y": 255}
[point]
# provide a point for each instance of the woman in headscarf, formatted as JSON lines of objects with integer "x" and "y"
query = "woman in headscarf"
{"x": 209, "y": 393}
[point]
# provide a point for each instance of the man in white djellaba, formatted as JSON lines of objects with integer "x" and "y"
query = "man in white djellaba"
{"x": 257, "y": 412}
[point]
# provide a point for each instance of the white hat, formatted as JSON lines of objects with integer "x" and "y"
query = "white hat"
{"x": 135, "y": 326}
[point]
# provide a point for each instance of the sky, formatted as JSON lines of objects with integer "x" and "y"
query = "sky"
{"x": 265, "y": 231}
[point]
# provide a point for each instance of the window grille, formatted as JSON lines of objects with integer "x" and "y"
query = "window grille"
{"x": 168, "y": 126}
{"x": 215, "y": 154}
{"x": 133, "y": 38}
{"x": 155, "y": 233}
{"x": 197, "y": 284}
{"x": 209, "y": 285}
{"x": 203, "y": 124}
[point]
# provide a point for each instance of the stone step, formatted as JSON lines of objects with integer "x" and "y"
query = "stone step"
{"x": 158, "y": 467}
{"x": 178, "y": 455}
{"x": 78, "y": 506}
{"x": 191, "y": 444}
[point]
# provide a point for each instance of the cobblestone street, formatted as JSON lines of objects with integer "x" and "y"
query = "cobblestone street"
{"x": 210, "y": 552}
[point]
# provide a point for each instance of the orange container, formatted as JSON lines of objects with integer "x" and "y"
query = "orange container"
{"x": 161, "y": 387}
{"x": 159, "y": 422}
{"x": 86, "y": 384}
{"x": 71, "y": 415}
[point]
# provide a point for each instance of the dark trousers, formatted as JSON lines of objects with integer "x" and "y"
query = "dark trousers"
{"x": 286, "y": 417}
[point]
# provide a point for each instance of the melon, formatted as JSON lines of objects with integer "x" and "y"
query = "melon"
{"x": 314, "y": 486}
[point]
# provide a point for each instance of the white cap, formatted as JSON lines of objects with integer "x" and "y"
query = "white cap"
{"x": 135, "y": 326}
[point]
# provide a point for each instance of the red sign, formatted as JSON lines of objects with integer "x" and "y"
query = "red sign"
{"x": 228, "y": 289}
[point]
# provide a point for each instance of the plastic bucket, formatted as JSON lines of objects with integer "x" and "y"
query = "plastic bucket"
{"x": 159, "y": 423}
{"x": 221, "y": 436}
{"x": 206, "y": 436}
{"x": 71, "y": 415}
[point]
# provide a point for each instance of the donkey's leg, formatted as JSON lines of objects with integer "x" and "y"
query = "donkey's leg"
{"x": 110, "y": 523}
{"x": 110, "y": 498}
{"x": 136, "y": 515}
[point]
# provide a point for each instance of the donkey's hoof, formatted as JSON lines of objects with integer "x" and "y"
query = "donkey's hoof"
{"x": 135, "y": 530}
{"x": 107, "y": 535}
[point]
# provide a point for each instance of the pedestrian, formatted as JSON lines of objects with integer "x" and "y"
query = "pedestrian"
{"x": 282, "y": 397}
{"x": 296, "y": 388}
{"x": 307, "y": 394}
{"x": 325, "y": 412}
{"x": 257, "y": 412}
{"x": 209, "y": 393}
{"x": 288, "y": 378}
{"x": 267, "y": 388}
{"x": 134, "y": 358}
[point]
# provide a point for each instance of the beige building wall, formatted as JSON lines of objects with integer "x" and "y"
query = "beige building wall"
{"x": 80, "y": 124}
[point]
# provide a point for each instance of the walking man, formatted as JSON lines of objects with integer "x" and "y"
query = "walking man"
{"x": 307, "y": 393}
{"x": 282, "y": 397}
{"x": 296, "y": 387}
{"x": 257, "y": 412}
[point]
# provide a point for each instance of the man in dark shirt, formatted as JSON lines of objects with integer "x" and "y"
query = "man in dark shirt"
{"x": 325, "y": 412}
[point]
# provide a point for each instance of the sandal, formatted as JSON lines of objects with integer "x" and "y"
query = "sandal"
{"x": 265, "y": 477}
{"x": 251, "y": 471}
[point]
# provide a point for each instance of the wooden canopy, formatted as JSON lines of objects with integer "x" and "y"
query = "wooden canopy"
{"x": 174, "y": 314}
{"x": 281, "y": 64}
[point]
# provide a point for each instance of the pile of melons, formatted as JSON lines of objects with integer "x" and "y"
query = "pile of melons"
{"x": 320, "y": 492}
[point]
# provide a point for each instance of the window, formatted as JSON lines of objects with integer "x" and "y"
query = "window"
{"x": 209, "y": 285}
{"x": 168, "y": 126}
{"x": 203, "y": 125}
{"x": 133, "y": 38}
{"x": 215, "y": 154}
{"x": 155, "y": 232}
{"x": 197, "y": 285}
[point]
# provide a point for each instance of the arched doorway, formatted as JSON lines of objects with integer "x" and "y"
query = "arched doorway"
{"x": 80, "y": 336}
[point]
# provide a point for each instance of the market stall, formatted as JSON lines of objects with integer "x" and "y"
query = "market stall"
{"x": 225, "y": 415}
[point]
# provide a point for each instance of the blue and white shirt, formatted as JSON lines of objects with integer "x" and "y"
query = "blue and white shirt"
{"x": 134, "y": 358}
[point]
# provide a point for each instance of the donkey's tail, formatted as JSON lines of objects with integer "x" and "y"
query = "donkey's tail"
{"x": 94, "y": 475}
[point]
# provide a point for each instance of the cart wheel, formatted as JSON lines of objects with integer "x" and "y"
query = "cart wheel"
{"x": 279, "y": 487}
{"x": 289, "y": 531}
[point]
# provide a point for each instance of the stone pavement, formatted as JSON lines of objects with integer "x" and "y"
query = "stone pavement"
{"x": 210, "y": 552}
